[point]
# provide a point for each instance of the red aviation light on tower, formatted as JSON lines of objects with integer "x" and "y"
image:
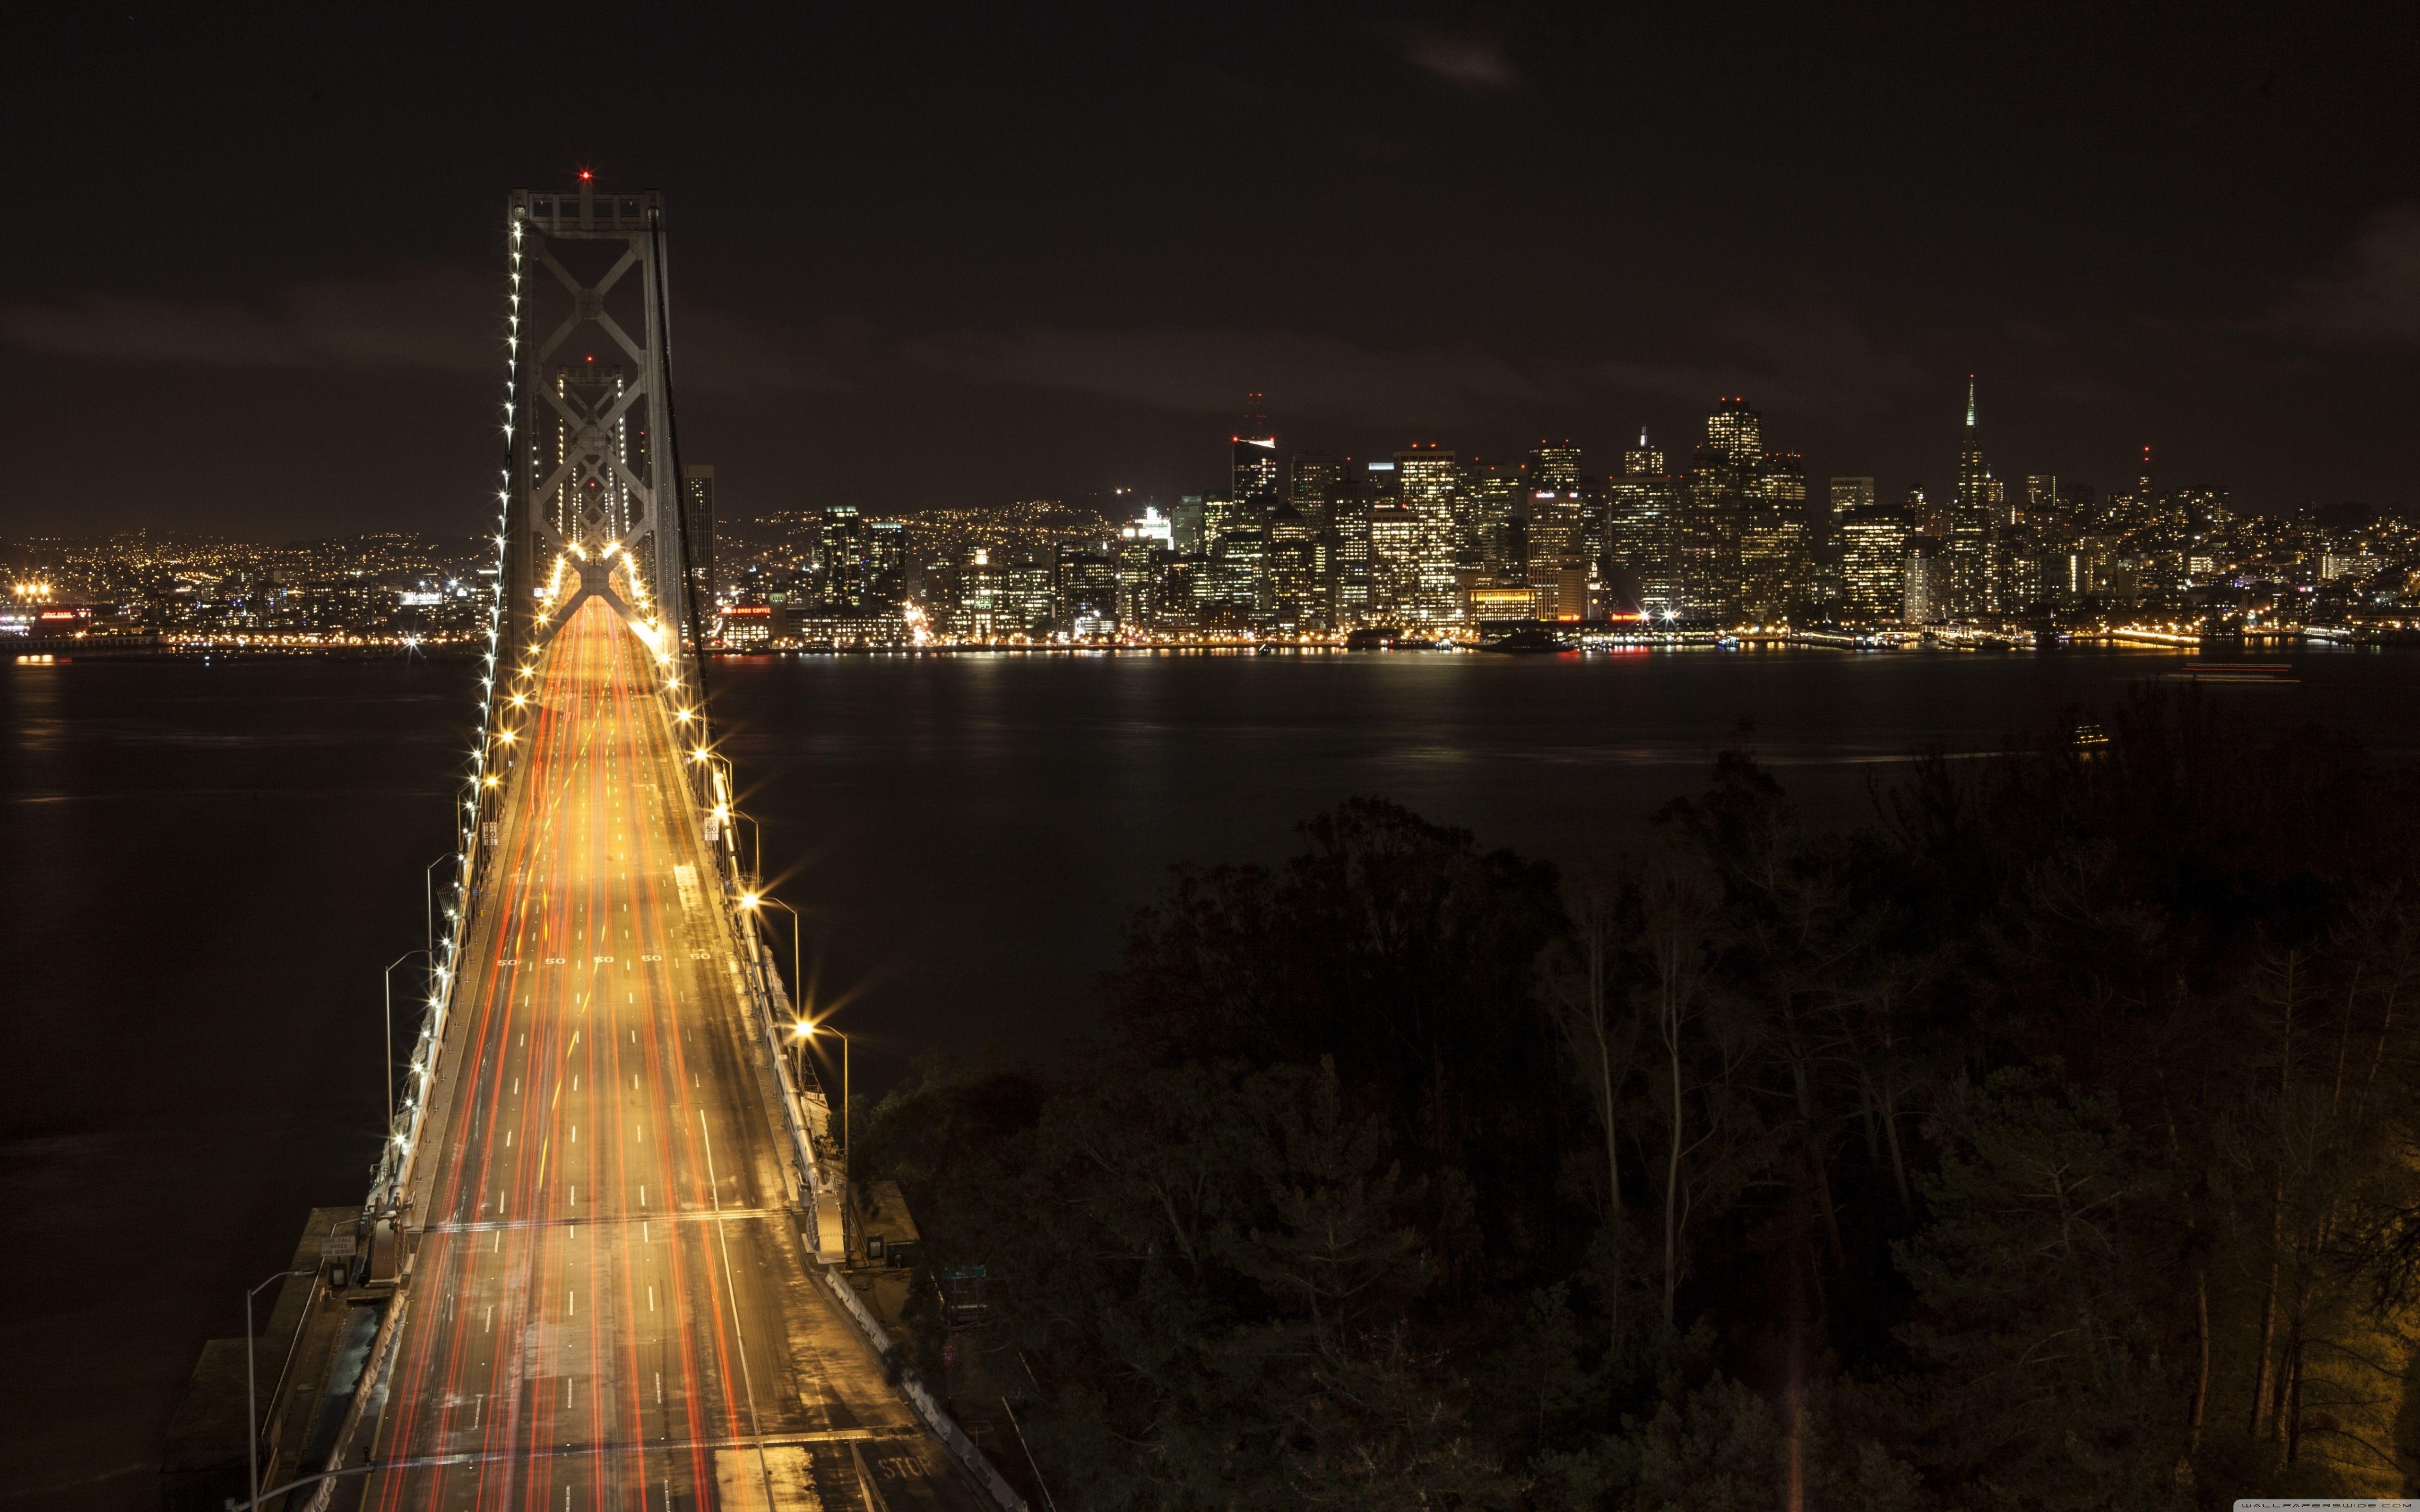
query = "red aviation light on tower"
{"x": 585, "y": 176}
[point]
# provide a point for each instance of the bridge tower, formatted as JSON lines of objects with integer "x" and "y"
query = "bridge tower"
{"x": 593, "y": 461}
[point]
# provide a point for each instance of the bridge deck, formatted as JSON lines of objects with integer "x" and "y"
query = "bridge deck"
{"x": 611, "y": 1305}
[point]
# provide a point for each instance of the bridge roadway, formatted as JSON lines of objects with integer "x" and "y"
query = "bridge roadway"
{"x": 610, "y": 1306}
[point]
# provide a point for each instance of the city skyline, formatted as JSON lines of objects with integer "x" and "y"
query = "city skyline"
{"x": 1689, "y": 540}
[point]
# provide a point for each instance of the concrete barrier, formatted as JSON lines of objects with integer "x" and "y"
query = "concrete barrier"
{"x": 944, "y": 1428}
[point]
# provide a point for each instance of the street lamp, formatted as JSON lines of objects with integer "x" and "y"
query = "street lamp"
{"x": 390, "y": 1026}
{"x": 752, "y": 901}
{"x": 251, "y": 1381}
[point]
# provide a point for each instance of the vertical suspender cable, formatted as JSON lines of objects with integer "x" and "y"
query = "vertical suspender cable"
{"x": 672, "y": 438}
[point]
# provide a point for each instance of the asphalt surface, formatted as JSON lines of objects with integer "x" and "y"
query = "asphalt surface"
{"x": 612, "y": 1305}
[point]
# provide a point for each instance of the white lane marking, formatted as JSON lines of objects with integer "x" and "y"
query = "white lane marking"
{"x": 731, "y": 1289}
{"x": 651, "y": 1299}
{"x": 489, "y": 1326}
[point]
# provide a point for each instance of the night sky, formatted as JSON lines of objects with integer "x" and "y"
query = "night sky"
{"x": 934, "y": 257}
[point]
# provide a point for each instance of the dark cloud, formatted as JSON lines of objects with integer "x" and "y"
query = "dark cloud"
{"x": 2370, "y": 297}
{"x": 715, "y": 352}
{"x": 1816, "y": 360}
{"x": 1205, "y": 372}
{"x": 1464, "y": 62}
{"x": 429, "y": 321}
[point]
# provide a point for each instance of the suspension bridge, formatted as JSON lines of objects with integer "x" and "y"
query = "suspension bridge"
{"x": 600, "y": 1263}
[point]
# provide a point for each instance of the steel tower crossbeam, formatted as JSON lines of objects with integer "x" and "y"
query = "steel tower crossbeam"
{"x": 616, "y": 449}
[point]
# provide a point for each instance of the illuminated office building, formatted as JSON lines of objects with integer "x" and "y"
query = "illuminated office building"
{"x": 1292, "y": 559}
{"x": 843, "y": 574}
{"x": 1349, "y": 562}
{"x": 1395, "y": 563}
{"x": 1737, "y": 432}
{"x": 1557, "y": 566}
{"x": 1142, "y": 542}
{"x": 886, "y": 560}
{"x": 1087, "y": 597}
{"x": 1722, "y": 473}
{"x": 1427, "y": 478}
{"x": 1873, "y": 563}
{"x": 1556, "y": 466}
{"x": 1491, "y": 501}
{"x": 1926, "y": 586}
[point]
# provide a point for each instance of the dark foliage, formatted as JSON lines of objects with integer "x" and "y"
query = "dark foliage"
{"x": 2049, "y": 1143}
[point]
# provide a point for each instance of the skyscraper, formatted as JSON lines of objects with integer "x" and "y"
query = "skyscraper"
{"x": 1556, "y": 465}
{"x": 697, "y": 505}
{"x": 845, "y": 570}
{"x": 1491, "y": 498}
{"x": 1395, "y": 563}
{"x": 1642, "y": 460}
{"x": 1312, "y": 490}
{"x": 1188, "y": 526}
{"x": 1427, "y": 478}
{"x": 1348, "y": 576}
{"x": 1290, "y": 560}
{"x": 1558, "y": 558}
{"x": 886, "y": 558}
{"x": 1144, "y": 543}
{"x": 1736, "y": 431}
{"x": 1851, "y": 493}
{"x": 1926, "y": 582}
{"x": 1969, "y": 549}
{"x": 1643, "y": 509}
{"x": 1253, "y": 458}
{"x": 1721, "y": 475}
{"x": 1873, "y": 563}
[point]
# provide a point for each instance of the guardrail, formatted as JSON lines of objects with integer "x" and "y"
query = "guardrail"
{"x": 772, "y": 1008}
